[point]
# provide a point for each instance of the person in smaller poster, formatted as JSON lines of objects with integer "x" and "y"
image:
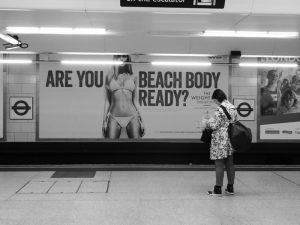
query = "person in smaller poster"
{"x": 269, "y": 93}
{"x": 295, "y": 84}
{"x": 221, "y": 150}
{"x": 288, "y": 103}
{"x": 121, "y": 106}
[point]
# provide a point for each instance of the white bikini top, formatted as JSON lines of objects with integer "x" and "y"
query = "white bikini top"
{"x": 123, "y": 82}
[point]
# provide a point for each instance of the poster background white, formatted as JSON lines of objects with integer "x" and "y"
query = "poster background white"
{"x": 1, "y": 98}
{"x": 182, "y": 121}
{"x": 280, "y": 131}
{"x": 77, "y": 112}
{"x": 70, "y": 112}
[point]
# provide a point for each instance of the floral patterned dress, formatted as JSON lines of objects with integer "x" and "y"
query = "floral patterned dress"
{"x": 221, "y": 147}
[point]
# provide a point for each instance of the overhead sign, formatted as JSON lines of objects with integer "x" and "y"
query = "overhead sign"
{"x": 245, "y": 108}
{"x": 216, "y": 4}
{"x": 20, "y": 108}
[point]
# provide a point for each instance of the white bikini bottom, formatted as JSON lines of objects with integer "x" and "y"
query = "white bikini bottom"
{"x": 123, "y": 121}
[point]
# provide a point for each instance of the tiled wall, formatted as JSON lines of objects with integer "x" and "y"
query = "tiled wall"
{"x": 244, "y": 86}
{"x": 21, "y": 82}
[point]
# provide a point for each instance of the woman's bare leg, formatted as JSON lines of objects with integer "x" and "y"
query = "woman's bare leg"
{"x": 113, "y": 129}
{"x": 219, "y": 163}
{"x": 229, "y": 164}
{"x": 133, "y": 128}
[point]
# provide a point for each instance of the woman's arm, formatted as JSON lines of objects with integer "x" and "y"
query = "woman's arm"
{"x": 136, "y": 105}
{"x": 107, "y": 103}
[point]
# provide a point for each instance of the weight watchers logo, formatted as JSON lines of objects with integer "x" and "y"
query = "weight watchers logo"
{"x": 205, "y": 2}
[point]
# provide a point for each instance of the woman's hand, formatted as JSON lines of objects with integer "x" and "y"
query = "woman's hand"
{"x": 205, "y": 122}
{"x": 104, "y": 126}
{"x": 142, "y": 125}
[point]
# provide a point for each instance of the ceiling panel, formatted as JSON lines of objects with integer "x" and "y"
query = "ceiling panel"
{"x": 149, "y": 31}
{"x": 147, "y": 21}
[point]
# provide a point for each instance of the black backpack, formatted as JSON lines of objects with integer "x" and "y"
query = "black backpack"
{"x": 240, "y": 136}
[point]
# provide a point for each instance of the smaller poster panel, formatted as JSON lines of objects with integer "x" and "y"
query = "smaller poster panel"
{"x": 1, "y": 98}
{"x": 245, "y": 108}
{"x": 20, "y": 108}
{"x": 279, "y": 97}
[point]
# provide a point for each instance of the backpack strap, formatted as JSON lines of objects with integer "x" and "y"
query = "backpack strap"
{"x": 226, "y": 112}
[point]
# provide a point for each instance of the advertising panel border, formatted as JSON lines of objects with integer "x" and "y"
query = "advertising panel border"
{"x": 38, "y": 118}
{"x": 279, "y": 122}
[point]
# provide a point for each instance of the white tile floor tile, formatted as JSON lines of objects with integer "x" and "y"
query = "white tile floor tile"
{"x": 43, "y": 175}
{"x": 266, "y": 182}
{"x": 36, "y": 187}
{"x": 293, "y": 176}
{"x": 102, "y": 175}
{"x": 65, "y": 187}
{"x": 93, "y": 187}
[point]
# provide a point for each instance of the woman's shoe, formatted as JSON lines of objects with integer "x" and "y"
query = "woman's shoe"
{"x": 229, "y": 190}
{"x": 216, "y": 192}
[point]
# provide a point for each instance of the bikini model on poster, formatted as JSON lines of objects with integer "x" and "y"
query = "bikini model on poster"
{"x": 120, "y": 108}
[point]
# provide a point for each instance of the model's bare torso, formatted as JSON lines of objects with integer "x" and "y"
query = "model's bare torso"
{"x": 122, "y": 90}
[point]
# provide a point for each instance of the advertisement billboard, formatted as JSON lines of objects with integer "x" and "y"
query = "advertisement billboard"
{"x": 129, "y": 101}
{"x": 279, "y": 95}
{"x": 1, "y": 99}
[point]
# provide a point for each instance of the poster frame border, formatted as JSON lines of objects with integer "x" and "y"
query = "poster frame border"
{"x": 259, "y": 140}
{"x": 106, "y": 140}
{"x": 37, "y": 98}
{"x": 4, "y": 83}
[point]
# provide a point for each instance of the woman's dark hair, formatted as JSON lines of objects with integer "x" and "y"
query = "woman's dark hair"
{"x": 219, "y": 95}
{"x": 287, "y": 95}
{"x": 126, "y": 69}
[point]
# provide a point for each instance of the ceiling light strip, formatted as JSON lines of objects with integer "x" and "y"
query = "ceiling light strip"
{"x": 171, "y": 63}
{"x": 91, "y": 53}
{"x": 15, "y": 61}
{"x": 182, "y": 13}
{"x": 188, "y": 55}
{"x": 88, "y": 62}
{"x": 17, "y": 52}
{"x": 56, "y": 30}
{"x": 269, "y": 56}
{"x": 268, "y": 64}
{"x": 253, "y": 34}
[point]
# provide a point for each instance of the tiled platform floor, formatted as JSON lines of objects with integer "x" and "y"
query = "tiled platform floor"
{"x": 148, "y": 198}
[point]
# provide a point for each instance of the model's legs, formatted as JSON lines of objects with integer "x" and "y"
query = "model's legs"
{"x": 230, "y": 169}
{"x": 133, "y": 128}
{"x": 219, "y": 164}
{"x": 113, "y": 129}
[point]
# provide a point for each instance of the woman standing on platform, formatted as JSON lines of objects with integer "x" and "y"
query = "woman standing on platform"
{"x": 221, "y": 150}
{"x": 120, "y": 109}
